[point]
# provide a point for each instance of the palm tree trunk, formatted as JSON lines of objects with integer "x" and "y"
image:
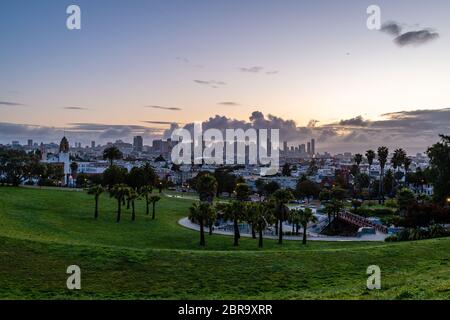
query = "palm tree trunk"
{"x": 260, "y": 242}
{"x": 253, "y": 232}
{"x": 280, "y": 233}
{"x": 293, "y": 228}
{"x": 296, "y": 229}
{"x": 276, "y": 228}
{"x": 202, "y": 233}
{"x": 96, "y": 208}
{"x": 210, "y": 228}
{"x": 153, "y": 213}
{"x": 370, "y": 182}
{"x": 236, "y": 233}
{"x": 147, "y": 205}
{"x": 304, "y": 234}
{"x": 119, "y": 209}
{"x": 133, "y": 213}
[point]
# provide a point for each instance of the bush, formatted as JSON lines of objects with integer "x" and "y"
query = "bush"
{"x": 391, "y": 203}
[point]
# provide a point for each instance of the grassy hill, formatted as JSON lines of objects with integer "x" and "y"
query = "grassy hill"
{"x": 44, "y": 231}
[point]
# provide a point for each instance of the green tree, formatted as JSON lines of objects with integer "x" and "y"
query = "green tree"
{"x": 200, "y": 212}
{"x": 405, "y": 198}
{"x": 242, "y": 192}
{"x": 96, "y": 191}
{"x": 306, "y": 216}
{"x": 111, "y": 154}
{"x": 234, "y": 211}
{"x": 262, "y": 217}
{"x": 153, "y": 200}
{"x": 370, "y": 155}
{"x": 358, "y": 158}
{"x": 206, "y": 187}
{"x": 146, "y": 192}
{"x": 119, "y": 191}
{"x": 114, "y": 175}
{"x": 281, "y": 198}
{"x": 74, "y": 169}
{"x": 132, "y": 196}
{"x": 271, "y": 187}
{"x": 383, "y": 153}
{"x": 307, "y": 188}
{"x": 439, "y": 155}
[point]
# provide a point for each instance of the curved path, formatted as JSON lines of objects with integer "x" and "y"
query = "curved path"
{"x": 185, "y": 222}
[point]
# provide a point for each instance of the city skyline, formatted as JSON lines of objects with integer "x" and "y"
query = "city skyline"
{"x": 311, "y": 68}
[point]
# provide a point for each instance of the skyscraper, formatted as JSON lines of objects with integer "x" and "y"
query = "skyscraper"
{"x": 92, "y": 144}
{"x": 285, "y": 146}
{"x": 313, "y": 147}
{"x": 138, "y": 143}
{"x": 308, "y": 147}
{"x": 30, "y": 143}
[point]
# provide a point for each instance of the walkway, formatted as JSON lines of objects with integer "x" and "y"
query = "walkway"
{"x": 185, "y": 222}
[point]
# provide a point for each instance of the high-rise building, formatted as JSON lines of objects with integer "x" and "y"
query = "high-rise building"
{"x": 308, "y": 147}
{"x": 285, "y": 146}
{"x": 303, "y": 148}
{"x": 30, "y": 143}
{"x": 92, "y": 144}
{"x": 313, "y": 147}
{"x": 138, "y": 143}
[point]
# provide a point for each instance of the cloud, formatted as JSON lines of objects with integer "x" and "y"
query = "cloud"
{"x": 210, "y": 82}
{"x": 10, "y": 104}
{"x": 75, "y": 108}
{"x": 411, "y": 38}
{"x": 229, "y": 103}
{"x": 416, "y": 37}
{"x": 272, "y": 72}
{"x": 160, "y": 122}
{"x": 392, "y": 28}
{"x": 164, "y": 108}
{"x": 182, "y": 59}
{"x": 255, "y": 69}
{"x": 356, "y": 122}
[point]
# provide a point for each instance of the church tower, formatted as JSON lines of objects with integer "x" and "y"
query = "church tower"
{"x": 64, "y": 158}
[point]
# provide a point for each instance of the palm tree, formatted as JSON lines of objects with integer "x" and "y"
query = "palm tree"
{"x": 153, "y": 200}
{"x": 207, "y": 187}
{"x": 132, "y": 196}
{"x": 383, "y": 153}
{"x": 397, "y": 161}
{"x": 96, "y": 191}
{"x": 370, "y": 155}
{"x": 111, "y": 154}
{"x": 119, "y": 192}
{"x": 262, "y": 215}
{"x": 234, "y": 211}
{"x": 146, "y": 192}
{"x": 358, "y": 158}
{"x": 281, "y": 198}
{"x": 201, "y": 212}
{"x": 306, "y": 216}
{"x": 407, "y": 163}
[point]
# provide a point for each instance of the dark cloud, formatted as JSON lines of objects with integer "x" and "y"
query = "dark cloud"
{"x": 356, "y": 122}
{"x": 210, "y": 82}
{"x": 164, "y": 108}
{"x": 10, "y": 104}
{"x": 75, "y": 108}
{"x": 416, "y": 37}
{"x": 392, "y": 28}
{"x": 255, "y": 69}
{"x": 160, "y": 122}
{"x": 229, "y": 103}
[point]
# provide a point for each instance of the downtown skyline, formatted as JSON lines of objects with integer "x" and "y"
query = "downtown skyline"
{"x": 310, "y": 68}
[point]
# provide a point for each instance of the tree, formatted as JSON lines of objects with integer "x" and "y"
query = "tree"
{"x": 132, "y": 196}
{"x": 271, "y": 187}
{"x": 306, "y": 216}
{"x": 74, "y": 169}
{"x": 383, "y": 153}
{"x": 262, "y": 217}
{"x": 119, "y": 192}
{"x": 358, "y": 158}
{"x": 96, "y": 191}
{"x": 260, "y": 187}
{"x": 234, "y": 211}
{"x": 397, "y": 161}
{"x": 307, "y": 188}
{"x": 370, "y": 155}
{"x": 405, "y": 198}
{"x": 206, "y": 187}
{"x": 407, "y": 164}
{"x": 114, "y": 175}
{"x": 242, "y": 192}
{"x": 286, "y": 170}
{"x": 439, "y": 155}
{"x": 153, "y": 200}
{"x": 146, "y": 192}
{"x": 281, "y": 198}
{"x": 312, "y": 169}
{"x": 200, "y": 212}
{"x": 111, "y": 154}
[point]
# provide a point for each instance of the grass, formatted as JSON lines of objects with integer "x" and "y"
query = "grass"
{"x": 44, "y": 231}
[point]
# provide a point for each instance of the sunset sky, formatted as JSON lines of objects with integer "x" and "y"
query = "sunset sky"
{"x": 137, "y": 66}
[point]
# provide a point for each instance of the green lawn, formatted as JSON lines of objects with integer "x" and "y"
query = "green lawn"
{"x": 44, "y": 231}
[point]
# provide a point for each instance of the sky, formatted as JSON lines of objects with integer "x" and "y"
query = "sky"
{"x": 313, "y": 68}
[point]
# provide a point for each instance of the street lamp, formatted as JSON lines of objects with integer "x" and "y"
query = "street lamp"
{"x": 448, "y": 200}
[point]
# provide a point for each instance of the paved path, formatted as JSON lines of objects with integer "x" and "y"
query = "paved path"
{"x": 185, "y": 222}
